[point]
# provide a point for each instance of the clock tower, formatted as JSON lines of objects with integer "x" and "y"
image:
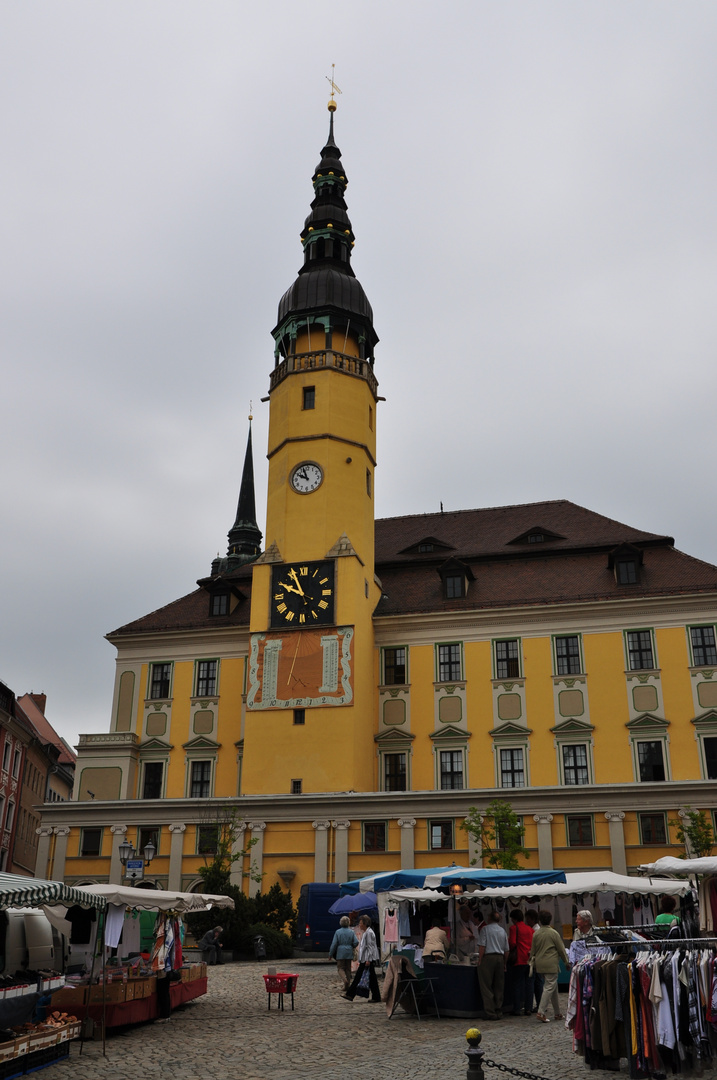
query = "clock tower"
{"x": 310, "y": 715}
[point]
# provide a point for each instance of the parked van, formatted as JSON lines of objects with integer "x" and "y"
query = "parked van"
{"x": 315, "y": 928}
{"x": 29, "y": 941}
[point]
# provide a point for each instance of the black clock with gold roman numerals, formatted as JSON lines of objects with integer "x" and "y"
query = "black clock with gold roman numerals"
{"x": 302, "y": 594}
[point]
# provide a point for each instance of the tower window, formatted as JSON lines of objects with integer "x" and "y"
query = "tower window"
{"x": 206, "y": 678}
{"x": 309, "y": 397}
{"x": 370, "y": 418}
{"x": 296, "y": 786}
{"x": 394, "y": 772}
{"x": 153, "y": 777}
{"x": 368, "y": 482}
{"x": 299, "y": 716}
{"x": 394, "y": 666}
{"x": 201, "y": 779}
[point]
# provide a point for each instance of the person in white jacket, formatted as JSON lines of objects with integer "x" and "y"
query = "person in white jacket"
{"x": 368, "y": 956}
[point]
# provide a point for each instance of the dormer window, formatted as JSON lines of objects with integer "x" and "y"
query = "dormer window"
{"x": 219, "y": 604}
{"x": 423, "y": 548}
{"x": 454, "y": 585}
{"x": 536, "y": 538}
{"x": 626, "y": 572}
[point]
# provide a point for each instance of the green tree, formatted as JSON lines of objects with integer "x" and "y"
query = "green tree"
{"x": 499, "y": 832}
{"x": 694, "y": 830}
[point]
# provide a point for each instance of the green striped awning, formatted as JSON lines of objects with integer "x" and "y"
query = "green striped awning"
{"x": 18, "y": 891}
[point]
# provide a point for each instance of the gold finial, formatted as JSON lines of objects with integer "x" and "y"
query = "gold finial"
{"x": 334, "y": 89}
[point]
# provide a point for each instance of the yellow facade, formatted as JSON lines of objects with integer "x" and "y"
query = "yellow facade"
{"x": 452, "y": 675}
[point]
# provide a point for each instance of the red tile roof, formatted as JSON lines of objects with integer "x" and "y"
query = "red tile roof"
{"x": 30, "y": 705}
{"x": 571, "y": 568}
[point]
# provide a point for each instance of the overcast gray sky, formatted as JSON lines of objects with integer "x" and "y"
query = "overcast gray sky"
{"x": 532, "y": 187}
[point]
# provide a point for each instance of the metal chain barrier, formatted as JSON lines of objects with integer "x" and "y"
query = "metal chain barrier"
{"x": 488, "y": 1064}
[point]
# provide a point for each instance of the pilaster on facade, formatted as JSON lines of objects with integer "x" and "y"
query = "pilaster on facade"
{"x": 236, "y": 876}
{"x": 44, "y": 832}
{"x": 545, "y": 840}
{"x": 62, "y": 834}
{"x": 615, "y": 819}
{"x": 177, "y": 831}
{"x": 408, "y": 848}
{"x": 321, "y": 849}
{"x": 118, "y": 832}
{"x": 341, "y": 853}
{"x": 256, "y": 852}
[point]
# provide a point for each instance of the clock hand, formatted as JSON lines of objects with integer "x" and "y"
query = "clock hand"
{"x": 290, "y": 588}
{"x": 292, "y": 573}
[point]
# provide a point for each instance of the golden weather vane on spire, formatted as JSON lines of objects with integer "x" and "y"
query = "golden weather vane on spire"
{"x": 334, "y": 89}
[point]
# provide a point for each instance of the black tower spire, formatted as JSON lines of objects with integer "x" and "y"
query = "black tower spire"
{"x": 245, "y": 535}
{"x": 326, "y": 296}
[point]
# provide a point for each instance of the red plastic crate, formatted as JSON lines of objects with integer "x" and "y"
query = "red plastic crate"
{"x": 281, "y": 983}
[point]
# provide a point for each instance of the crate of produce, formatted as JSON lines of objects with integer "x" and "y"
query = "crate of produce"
{"x": 281, "y": 983}
{"x": 41, "y": 1038}
{"x": 7, "y": 1050}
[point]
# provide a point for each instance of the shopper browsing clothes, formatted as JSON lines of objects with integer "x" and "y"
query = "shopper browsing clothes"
{"x": 520, "y": 938}
{"x": 368, "y": 956}
{"x": 535, "y": 981}
{"x": 342, "y": 950}
{"x": 546, "y": 952}
{"x": 492, "y": 961}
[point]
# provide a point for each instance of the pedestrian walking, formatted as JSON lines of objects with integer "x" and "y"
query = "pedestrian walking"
{"x": 520, "y": 938}
{"x": 342, "y": 951}
{"x": 492, "y": 962}
{"x": 546, "y": 952}
{"x": 368, "y": 955}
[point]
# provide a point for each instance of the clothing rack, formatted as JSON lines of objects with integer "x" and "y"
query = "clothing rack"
{"x": 663, "y": 944}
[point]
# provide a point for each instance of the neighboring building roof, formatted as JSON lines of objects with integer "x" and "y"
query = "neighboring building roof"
{"x": 33, "y": 708}
{"x": 509, "y": 565}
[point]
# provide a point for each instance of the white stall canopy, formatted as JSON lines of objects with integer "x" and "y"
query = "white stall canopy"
{"x": 591, "y": 882}
{"x": 668, "y": 864}
{"x": 159, "y": 899}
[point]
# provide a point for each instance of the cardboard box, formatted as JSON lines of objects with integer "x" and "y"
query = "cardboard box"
{"x": 130, "y": 992}
{"x": 22, "y": 1045}
{"x": 7, "y": 1050}
{"x": 69, "y": 998}
{"x": 185, "y": 974}
{"x": 112, "y": 993}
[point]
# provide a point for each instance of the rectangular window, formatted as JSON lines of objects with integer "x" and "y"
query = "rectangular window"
{"x": 394, "y": 766}
{"x": 160, "y": 678}
{"x": 454, "y": 586}
{"x": 710, "y": 745}
{"x": 374, "y": 836}
{"x": 368, "y": 481}
{"x": 575, "y": 764}
{"x": 91, "y": 843}
{"x": 441, "y": 835}
{"x": 567, "y": 655}
{"x": 10, "y": 815}
{"x": 394, "y": 667}
{"x": 651, "y": 760}
{"x": 296, "y": 787}
{"x": 627, "y": 572}
{"x": 206, "y": 678}
{"x": 507, "y": 661}
{"x": 704, "y": 651}
{"x": 309, "y": 397}
{"x": 299, "y": 716}
{"x": 219, "y": 604}
{"x": 145, "y": 835}
{"x": 512, "y": 771}
{"x": 639, "y": 648}
{"x": 451, "y": 770}
{"x": 449, "y": 663}
{"x": 6, "y": 757}
{"x": 153, "y": 777}
{"x": 653, "y": 829}
{"x": 207, "y": 839}
{"x": 16, "y": 764}
{"x": 201, "y": 779}
{"x": 580, "y": 830}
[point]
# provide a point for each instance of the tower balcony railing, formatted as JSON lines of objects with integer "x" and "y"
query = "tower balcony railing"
{"x": 324, "y": 358}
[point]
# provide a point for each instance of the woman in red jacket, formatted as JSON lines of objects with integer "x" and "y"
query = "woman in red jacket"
{"x": 520, "y": 938}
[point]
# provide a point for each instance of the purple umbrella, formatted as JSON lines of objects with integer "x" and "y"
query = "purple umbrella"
{"x": 361, "y": 902}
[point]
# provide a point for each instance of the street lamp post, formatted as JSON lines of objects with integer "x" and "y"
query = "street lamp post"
{"x": 127, "y": 853}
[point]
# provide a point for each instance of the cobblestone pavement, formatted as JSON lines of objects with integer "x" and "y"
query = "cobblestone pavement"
{"x": 230, "y": 1034}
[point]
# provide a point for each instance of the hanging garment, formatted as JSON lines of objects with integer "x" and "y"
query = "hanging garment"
{"x": 390, "y": 926}
{"x": 131, "y": 933}
{"x": 114, "y": 919}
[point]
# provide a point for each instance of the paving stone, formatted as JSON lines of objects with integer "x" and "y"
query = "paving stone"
{"x": 229, "y": 1033}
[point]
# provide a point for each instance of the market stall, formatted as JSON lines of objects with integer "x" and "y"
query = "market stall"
{"x": 704, "y": 872}
{"x": 133, "y": 988}
{"x": 27, "y": 1042}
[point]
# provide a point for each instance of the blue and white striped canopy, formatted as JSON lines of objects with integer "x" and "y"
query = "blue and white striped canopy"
{"x": 18, "y": 891}
{"x": 442, "y": 876}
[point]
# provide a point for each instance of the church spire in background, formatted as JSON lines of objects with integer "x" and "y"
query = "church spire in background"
{"x": 245, "y": 535}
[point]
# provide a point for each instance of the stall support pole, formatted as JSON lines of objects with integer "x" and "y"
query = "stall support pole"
{"x": 104, "y": 985}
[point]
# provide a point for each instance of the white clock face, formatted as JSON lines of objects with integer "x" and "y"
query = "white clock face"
{"x": 306, "y": 477}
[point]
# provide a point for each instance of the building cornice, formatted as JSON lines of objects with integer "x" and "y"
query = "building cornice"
{"x": 588, "y": 798}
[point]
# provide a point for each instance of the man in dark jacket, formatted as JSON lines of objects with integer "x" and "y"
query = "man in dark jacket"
{"x": 211, "y": 944}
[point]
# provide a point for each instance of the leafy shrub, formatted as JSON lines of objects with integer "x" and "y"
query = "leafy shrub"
{"x": 278, "y": 945}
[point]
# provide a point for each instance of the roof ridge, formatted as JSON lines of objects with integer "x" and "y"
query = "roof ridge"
{"x": 481, "y": 509}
